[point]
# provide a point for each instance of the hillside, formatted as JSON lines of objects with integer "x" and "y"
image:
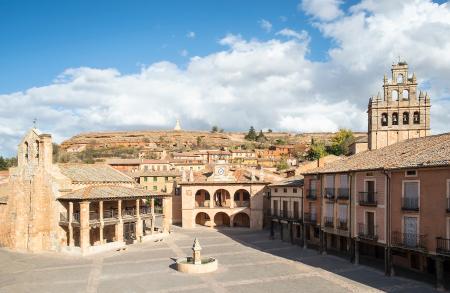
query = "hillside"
{"x": 175, "y": 140}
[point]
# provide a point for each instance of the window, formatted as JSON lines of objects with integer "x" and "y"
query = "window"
{"x": 405, "y": 95}
{"x": 276, "y": 190}
{"x": 400, "y": 78}
{"x": 145, "y": 179}
{"x": 384, "y": 119}
{"x": 294, "y": 190}
{"x": 236, "y": 196}
{"x": 155, "y": 187}
{"x": 343, "y": 212}
{"x": 394, "y": 95}
{"x": 411, "y": 173}
{"x": 410, "y": 194}
{"x": 329, "y": 210}
{"x": 166, "y": 179}
{"x": 285, "y": 190}
{"x": 416, "y": 118}
{"x": 155, "y": 179}
{"x": 405, "y": 118}
{"x": 343, "y": 181}
{"x": 395, "y": 118}
{"x": 275, "y": 208}
{"x": 145, "y": 168}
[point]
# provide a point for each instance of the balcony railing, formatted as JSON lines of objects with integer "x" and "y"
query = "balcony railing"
{"x": 93, "y": 216}
{"x": 202, "y": 204}
{"x": 242, "y": 204}
{"x": 311, "y": 218}
{"x": 110, "y": 214}
{"x": 64, "y": 218}
{"x": 410, "y": 203}
{"x": 145, "y": 211}
{"x": 285, "y": 215}
{"x": 329, "y": 222}
{"x": 367, "y": 198}
{"x": 368, "y": 232}
{"x": 158, "y": 210}
{"x": 128, "y": 212}
{"x": 311, "y": 194}
{"x": 329, "y": 193}
{"x": 409, "y": 240}
{"x": 343, "y": 193}
{"x": 443, "y": 245}
{"x": 342, "y": 224}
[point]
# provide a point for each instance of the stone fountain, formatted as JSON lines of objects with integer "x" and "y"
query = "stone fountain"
{"x": 196, "y": 264}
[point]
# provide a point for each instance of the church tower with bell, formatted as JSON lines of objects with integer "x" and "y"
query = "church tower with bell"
{"x": 401, "y": 112}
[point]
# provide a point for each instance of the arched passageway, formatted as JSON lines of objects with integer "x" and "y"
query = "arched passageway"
{"x": 241, "y": 198}
{"x": 241, "y": 220}
{"x": 202, "y": 198}
{"x": 222, "y": 198}
{"x": 202, "y": 219}
{"x": 221, "y": 219}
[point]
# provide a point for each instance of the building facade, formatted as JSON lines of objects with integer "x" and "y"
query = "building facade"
{"x": 401, "y": 113}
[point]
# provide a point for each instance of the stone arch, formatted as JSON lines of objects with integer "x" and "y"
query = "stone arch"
{"x": 394, "y": 95}
{"x": 395, "y": 118}
{"x": 405, "y": 118}
{"x": 222, "y": 198}
{"x": 202, "y": 198}
{"x": 26, "y": 150}
{"x": 405, "y": 95}
{"x": 384, "y": 119}
{"x": 221, "y": 219}
{"x": 202, "y": 219}
{"x": 241, "y": 220}
{"x": 416, "y": 117}
{"x": 241, "y": 198}
{"x": 36, "y": 149}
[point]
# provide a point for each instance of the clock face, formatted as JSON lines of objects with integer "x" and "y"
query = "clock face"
{"x": 221, "y": 171}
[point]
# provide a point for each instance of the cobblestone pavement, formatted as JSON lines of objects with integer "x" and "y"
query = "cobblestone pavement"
{"x": 248, "y": 262}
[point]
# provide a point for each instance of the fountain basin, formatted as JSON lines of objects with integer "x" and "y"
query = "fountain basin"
{"x": 186, "y": 265}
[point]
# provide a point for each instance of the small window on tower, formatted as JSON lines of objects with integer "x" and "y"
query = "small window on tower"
{"x": 384, "y": 119}
{"x": 416, "y": 118}
{"x": 394, "y": 118}
{"x": 400, "y": 78}
{"x": 405, "y": 95}
{"x": 405, "y": 118}
{"x": 394, "y": 95}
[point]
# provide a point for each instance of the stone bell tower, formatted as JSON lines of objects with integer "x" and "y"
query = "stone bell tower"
{"x": 401, "y": 113}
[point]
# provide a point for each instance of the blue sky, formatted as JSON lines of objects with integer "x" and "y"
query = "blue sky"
{"x": 42, "y": 38}
{"x": 288, "y": 65}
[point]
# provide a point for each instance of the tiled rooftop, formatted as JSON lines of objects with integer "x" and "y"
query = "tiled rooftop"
{"x": 109, "y": 192}
{"x": 93, "y": 173}
{"x": 296, "y": 181}
{"x": 431, "y": 151}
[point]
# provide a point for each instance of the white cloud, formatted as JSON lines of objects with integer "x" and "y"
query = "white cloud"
{"x": 267, "y": 84}
{"x": 265, "y": 25}
{"x": 322, "y": 9}
{"x": 301, "y": 36}
{"x": 191, "y": 35}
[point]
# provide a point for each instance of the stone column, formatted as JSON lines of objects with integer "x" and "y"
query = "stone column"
{"x": 439, "y": 274}
{"x": 100, "y": 215}
{"x": 119, "y": 226}
{"x": 167, "y": 213}
{"x": 356, "y": 252}
{"x": 70, "y": 216}
{"x": 139, "y": 224}
{"x": 211, "y": 200}
{"x": 232, "y": 203}
{"x": 84, "y": 226}
{"x": 305, "y": 245}
{"x": 152, "y": 210}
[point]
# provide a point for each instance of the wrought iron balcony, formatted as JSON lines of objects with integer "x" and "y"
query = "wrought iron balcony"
{"x": 329, "y": 193}
{"x": 409, "y": 240}
{"x": 329, "y": 222}
{"x": 368, "y": 232}
{"x": 311, "y": 194}
{"x": 343, "y": 193}
{"x": 443, "y": 245}
{"x": 311, "y": 218}
{"x": 367, "y": 198}
{"x": 410, "y": 204}
{"x": 343, "y": 224}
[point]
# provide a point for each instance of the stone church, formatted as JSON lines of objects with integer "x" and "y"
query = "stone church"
{"x": 78, "y": 208}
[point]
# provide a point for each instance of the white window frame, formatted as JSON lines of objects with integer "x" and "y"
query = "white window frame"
{"x": 418, "y": 191}
{"x": 411, "y": 216}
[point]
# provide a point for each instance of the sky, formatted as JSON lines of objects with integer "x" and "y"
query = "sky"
{"x": 291, "y": 65}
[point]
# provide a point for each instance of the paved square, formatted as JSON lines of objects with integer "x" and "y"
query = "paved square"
{"x": 248, "y": 262}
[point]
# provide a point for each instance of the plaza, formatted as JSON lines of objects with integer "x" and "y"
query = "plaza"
{"x": 248, "y": 262}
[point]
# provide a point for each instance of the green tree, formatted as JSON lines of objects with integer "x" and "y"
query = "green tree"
{"x": 3, "y": 163}
{"x": 251, "y": 135}
{"x": 340, "y": 142}
{"x": 214, "y": 129}
{"x": 316, "y": 151}
{"x": 269, "y": 130}
{"x": 261, "y": 137}
{"x": 282, "y": 165}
